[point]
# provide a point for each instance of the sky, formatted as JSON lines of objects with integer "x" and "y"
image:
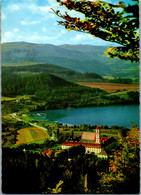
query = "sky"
{"x": 33, "y": 21}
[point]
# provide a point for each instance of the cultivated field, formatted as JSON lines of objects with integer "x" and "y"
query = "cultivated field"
{"x": 111, "y": 87}
{"x": 28, "y": 135}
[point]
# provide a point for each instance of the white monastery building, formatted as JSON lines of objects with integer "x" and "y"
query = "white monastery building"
{"x": 93, "y": 143}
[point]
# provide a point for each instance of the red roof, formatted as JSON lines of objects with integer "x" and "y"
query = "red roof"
{"x": 103, "y": 139}
{"x": 70, "y": 143}
{"x": 90, "y": 145}
{"x": 47, "y": 151}
{"x": 85, "y": 144}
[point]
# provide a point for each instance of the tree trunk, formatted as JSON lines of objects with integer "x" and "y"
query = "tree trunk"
{"x": 86, "y": 182}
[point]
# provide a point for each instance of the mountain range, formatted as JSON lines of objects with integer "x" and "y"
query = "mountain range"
{"x": 81, "y": 58}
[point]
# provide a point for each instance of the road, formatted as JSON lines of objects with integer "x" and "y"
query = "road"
{"x": 14, "y": 115}
{"x": 38, "y": 126}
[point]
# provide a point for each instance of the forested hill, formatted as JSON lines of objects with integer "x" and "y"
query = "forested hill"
{"x": 53, "y": 92}
{"x": 66, "y": 73}
{"x": 81, "y": 58}
{"x": 31, "y": 84}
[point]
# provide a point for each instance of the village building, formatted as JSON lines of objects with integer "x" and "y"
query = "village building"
{"x": 18, "y": 100}
{"x": 93, "y": 143}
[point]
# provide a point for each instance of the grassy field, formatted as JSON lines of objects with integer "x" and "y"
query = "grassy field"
{"x": 110, "y": 135}
{"x": 25, "y": 118}
{"x": 76, "y": 133}
{"x": 20, "y": 64}
{"x": 28, "y": 135}
{"x": 122, "y": 94}
{"x": 25, "y": 97}
{"x": 111, "y": 87}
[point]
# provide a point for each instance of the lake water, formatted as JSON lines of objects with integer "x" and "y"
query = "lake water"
{"x": 107, "y": 115}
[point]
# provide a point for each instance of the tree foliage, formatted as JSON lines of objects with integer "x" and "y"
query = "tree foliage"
{"x": 124, "y": 167}
{"x": 71, "y": 171}
{"x": 115, "y": 23}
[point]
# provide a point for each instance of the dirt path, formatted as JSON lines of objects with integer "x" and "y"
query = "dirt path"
{"x": 14, "y": 115}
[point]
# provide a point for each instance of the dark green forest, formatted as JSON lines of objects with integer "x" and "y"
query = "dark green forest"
{"x": 39, "y": 174}
{"x": 66, "y": 73}
{"x": 56, "y": 93}
{"x": 27, "y": 172}
{"x": 31, "y": 84}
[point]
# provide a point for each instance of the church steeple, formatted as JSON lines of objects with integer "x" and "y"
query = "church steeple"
{"x": 97, "y": 135}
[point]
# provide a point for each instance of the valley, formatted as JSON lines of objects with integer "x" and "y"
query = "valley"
{"x": 51, "y": 92}
{"x": 52, "y": 95}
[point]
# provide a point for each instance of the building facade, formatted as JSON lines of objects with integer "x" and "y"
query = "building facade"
{"x": 93, "y": 143}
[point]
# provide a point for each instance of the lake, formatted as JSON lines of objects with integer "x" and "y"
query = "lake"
{"x": 107, "y": 115}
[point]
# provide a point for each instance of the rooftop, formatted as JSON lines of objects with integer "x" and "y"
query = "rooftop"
{"x": 90, "y": 145}
{"x": 88, "y": 136}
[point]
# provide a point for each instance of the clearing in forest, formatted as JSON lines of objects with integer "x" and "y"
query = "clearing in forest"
{"x": 111, "y": 87}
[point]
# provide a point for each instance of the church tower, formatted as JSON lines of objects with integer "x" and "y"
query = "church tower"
{"x": 98, "y": 135}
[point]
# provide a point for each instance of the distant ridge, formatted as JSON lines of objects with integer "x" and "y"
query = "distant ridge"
{"x": 68, "y": 74}
{"x": 81, "y": 58}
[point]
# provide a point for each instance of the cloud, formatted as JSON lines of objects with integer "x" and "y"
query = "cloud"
{"x": 16, "y": 30}
{"x": 7, "y": 36}
{"x": 46, "y": 12}
{"x": 45, "y": 9}
{"x": 30, "y": 23}
{"x": 44, "y": 29}
{"x": 12, "y": 35}
{"x": 14, "y": 7}
{"x": 63, "y": 32}
{"x": 3, "y": 17}
{"x": 80, "y": 37}
{"x": 36, "y": 37}
{"x": 88, "y": 39}
{"x": 52, "y": 3}
{"x": 19, "y": 16}
{"x": 32, "y": 7}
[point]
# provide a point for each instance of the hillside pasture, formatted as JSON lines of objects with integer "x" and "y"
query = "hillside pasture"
{"x": 25, "y": 97}
{"x": 29, "y": 135}
{"x": 111, "y": 87}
